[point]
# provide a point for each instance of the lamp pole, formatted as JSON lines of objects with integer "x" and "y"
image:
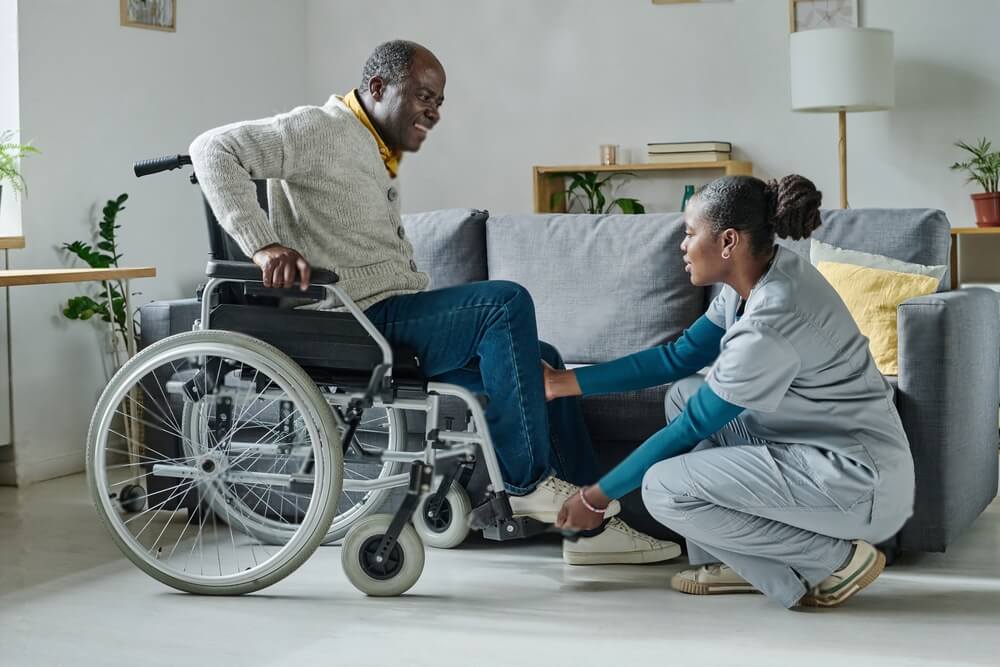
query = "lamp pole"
{"x": 843, "y": 157}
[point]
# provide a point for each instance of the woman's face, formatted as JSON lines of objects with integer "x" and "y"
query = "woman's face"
{"x": 702, "y": 250}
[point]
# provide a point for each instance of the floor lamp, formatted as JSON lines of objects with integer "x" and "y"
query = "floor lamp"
{"x": 841, "y": 70}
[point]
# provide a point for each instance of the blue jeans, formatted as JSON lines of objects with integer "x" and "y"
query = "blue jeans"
{"x": 483, "y": 336}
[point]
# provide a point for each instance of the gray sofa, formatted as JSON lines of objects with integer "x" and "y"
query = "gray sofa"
{"x": 605, "y": 286}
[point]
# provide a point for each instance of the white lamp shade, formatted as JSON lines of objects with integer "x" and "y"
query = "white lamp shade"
{"x": 842, "y": 69}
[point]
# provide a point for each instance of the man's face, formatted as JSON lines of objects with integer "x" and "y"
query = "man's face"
{"x": 407, "y": 111}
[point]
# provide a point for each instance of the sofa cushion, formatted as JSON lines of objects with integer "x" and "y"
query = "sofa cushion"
{"x": 449, "y": 245}
{"x": 918, "y": 235}
{"x": 603, "y": 285}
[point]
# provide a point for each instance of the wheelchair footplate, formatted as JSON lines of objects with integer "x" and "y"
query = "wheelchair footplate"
{"x": 495, "y": 518}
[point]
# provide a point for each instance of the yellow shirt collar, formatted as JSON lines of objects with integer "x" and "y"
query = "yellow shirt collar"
{"x": 390, "y": 158}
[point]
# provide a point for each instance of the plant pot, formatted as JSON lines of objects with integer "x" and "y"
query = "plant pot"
{"x": 987, "y": 205}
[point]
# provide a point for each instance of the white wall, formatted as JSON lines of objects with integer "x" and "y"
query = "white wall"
{"x": 10, "y": 212}
{"x": 10, "y": 224}
{"x": 547, "y": 82}
{"x": 95, "y": 97}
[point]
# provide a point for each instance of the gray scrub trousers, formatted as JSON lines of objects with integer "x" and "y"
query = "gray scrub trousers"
{"x": 818, "y": 457}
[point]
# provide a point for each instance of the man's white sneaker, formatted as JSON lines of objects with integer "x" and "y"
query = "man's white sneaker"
{"x": 863, "y": 568}
{"x": 543, "y": 504}
{"x": 716, "y": 579}
{"x": 618, "y": 543}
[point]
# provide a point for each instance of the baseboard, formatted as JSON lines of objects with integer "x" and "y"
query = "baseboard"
{"x": 57, "y": 466}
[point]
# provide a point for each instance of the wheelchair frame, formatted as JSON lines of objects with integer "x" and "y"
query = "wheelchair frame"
{"x": 494, "y": 516}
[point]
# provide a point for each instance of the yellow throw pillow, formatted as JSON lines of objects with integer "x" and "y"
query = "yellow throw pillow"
{"x": 872, "y": 296}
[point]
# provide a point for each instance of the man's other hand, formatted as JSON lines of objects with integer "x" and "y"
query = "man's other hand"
{"x": 279, "y": 266}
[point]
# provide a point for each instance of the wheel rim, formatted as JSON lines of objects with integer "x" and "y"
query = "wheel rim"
{"x": 392, "y": 566}
{"x": 206, "y": 548}
{"x": 440, "y": 522}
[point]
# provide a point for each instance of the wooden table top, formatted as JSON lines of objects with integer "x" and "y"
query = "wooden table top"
{"x": 52, "y": 276}
{"x": 8, "y": 242}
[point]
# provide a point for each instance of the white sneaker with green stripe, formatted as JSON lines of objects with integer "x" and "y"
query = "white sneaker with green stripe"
{"x": 715, "y": 579}
{"x": 862, "y": 569}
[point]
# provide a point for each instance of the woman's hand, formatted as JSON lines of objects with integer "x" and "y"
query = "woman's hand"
{"x": 576, "y": 516}
{"x": 559, "y": 383}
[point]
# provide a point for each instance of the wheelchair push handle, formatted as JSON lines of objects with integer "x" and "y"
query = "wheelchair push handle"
{"x": 158, "y": 164}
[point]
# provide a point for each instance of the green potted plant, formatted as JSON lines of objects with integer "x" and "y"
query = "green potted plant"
{"x": 107, "y": 302}
{"x": 590, "y": 185}
{"x": 10, "y": 152}
{"x": 983, "y": 168}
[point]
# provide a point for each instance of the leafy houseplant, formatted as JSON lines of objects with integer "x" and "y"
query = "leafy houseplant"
{"x": 983, "y": 168}
{"x": 10, "y": 152}
{"x": 590, "y": 186}
{"x": 109, "y": 302}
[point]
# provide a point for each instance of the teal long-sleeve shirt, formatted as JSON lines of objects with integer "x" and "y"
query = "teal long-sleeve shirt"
{"x": 704, "y": 414}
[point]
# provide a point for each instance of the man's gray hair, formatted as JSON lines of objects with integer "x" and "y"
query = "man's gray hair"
{"x": 391, "y": 61}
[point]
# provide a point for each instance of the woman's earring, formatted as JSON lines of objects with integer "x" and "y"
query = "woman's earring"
{"x": 725, "y": 255}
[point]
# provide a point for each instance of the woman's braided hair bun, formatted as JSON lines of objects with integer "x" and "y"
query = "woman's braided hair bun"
{"x": 793, "y": 206}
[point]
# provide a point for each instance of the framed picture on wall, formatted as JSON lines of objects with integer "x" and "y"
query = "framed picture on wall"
{"x": 813, "y": 14}
{"x": 150, "y": 14}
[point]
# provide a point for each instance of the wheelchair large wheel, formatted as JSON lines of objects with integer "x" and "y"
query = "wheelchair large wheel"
{"x": 179, "y": 535}
{"x": 382, "y": 428}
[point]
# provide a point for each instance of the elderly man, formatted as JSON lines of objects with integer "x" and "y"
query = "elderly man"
{"x": 335, "y": 204}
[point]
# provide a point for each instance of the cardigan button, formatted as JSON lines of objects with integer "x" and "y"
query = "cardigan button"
{"x": 401, "y": 232}
{"x": 392, "y": 194}
{"x": 413, "y": 265}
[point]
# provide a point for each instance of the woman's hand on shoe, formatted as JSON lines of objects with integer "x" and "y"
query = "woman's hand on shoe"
{"x": 576, "y": 516}
{"x": 559, "y": 383}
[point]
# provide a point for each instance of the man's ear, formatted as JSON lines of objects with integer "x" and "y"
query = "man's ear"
{"x": 376, "y": 87}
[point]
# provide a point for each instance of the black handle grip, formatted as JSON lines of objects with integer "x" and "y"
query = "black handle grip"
{"x": 156, "y": 165}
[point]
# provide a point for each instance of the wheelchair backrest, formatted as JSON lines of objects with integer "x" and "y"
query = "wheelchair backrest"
{"x": 221, "y": 245}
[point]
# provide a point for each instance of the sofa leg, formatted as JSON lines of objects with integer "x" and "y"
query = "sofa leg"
{"x": 891, "y": 553}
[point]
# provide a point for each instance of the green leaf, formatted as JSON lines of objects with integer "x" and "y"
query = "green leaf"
{"x": 628, "y": 205}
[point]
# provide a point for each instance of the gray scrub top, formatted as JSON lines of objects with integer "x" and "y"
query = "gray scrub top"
{"x": 797, "y": 362}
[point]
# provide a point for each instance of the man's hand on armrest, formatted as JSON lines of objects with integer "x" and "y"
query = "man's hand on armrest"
{"x": 279, "y": 265}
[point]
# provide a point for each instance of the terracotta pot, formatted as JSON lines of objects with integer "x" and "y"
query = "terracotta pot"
{"x": 987, "y": 205}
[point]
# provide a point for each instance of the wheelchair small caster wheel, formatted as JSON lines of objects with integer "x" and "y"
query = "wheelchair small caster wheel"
{"x": 450, "y": 526}
{"x": 397, "y": 573}
{"x": 132, "y": 498}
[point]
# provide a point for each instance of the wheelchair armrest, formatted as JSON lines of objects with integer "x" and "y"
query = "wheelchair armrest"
{"x": 248, "y": 272}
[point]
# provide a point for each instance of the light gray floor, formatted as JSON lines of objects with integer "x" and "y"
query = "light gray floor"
{"x": 68, "y": 598}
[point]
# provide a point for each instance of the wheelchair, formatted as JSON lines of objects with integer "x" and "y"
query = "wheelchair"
{"x": 289, "y": 431}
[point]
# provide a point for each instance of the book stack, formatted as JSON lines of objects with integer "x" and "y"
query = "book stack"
{"x": 690, "y": 151}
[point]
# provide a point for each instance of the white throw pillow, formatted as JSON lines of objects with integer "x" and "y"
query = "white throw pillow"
{"x": 824, "y": 252}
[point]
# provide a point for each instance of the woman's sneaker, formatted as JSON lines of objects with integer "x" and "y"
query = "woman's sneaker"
{"x": 543, "y": 504}
{"x": 716, "y": 579}
{"x": 862, "y": 569}
{"x": 618, "y": 543}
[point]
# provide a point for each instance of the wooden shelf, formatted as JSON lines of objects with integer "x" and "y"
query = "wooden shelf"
{"x": 547, "y": 181}
{"x": 963, "y": 231}
{"x": 9, "y": 242}
{"x": 735, "y": 166}
{"x": 52, "y": 276}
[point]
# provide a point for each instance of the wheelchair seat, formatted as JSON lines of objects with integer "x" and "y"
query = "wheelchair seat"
{"x": 331, "y": 346}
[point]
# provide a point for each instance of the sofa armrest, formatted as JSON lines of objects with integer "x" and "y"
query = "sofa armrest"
{"x": 159, "y": 319}
{"x": 949, "y": 361}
